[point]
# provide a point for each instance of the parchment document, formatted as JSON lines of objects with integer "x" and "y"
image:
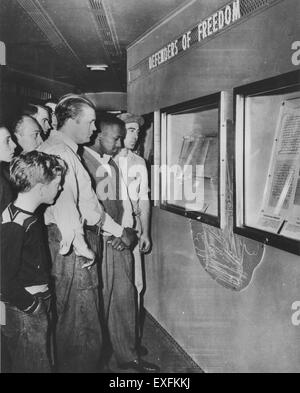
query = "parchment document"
{"x": 282, "y": 193}
{"x": 292, "y": 225}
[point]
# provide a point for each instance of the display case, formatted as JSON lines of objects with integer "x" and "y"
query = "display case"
{"x": 267, "y": 156}
{"x": 193, "y": 158}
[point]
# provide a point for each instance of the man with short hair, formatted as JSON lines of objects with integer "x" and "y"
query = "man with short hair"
{"x": 138, "y": 184}
{"x": 74, "y": 224}
{"x": 117, "y": 264}
{"x": 42, "y": 115}
{"x": 51, "y": 106}
{"x": 135, "y": 174}
{"x": 27, "y": 132}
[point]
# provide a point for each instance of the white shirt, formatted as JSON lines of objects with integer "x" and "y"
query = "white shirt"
{"x": 135, "y": 176}
{"x": 110, "y": 226}
{"x": 77, "y": 202}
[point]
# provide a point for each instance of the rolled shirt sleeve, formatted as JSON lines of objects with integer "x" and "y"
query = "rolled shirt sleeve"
{"x": 144, "y": 184}
{"x": 111, "y": 227}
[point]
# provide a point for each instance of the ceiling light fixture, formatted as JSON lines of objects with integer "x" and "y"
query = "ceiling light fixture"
{"x": 97, "y": 67}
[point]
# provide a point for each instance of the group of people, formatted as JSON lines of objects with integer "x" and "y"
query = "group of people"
{"x": 75, "y": 219}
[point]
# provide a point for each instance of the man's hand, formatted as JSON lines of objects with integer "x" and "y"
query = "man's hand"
{"x": 118, "y": 244}
{"x": 81, "y": 249}
{"x": 39, "y": 308}
{"x": 88, "y": 264}
{"x": 87, "y": 254}
{"x": 144, "y": 243}
{"x": 129, "y": 237}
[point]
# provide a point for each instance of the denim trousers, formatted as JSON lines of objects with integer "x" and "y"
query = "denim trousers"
{"x": 26, "y": 338}
{"x": 78, "y": 334}
{"x": 120, "y": 301}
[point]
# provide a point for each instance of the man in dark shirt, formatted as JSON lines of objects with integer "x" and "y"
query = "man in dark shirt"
{"x": 24, "y": 261}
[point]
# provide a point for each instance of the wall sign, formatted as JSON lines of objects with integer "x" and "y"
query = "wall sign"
{"x": 222, "y": 19}
{"x": 219, "y": 20}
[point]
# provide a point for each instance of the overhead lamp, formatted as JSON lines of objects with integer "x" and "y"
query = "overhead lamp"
{"x": 97, "y": 67}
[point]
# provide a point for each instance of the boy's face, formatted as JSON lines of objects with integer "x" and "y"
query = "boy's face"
{"x": 50, "y": 190}
{"x": 7, "y": 146}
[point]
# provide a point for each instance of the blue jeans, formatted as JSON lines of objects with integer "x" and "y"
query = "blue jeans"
{"x": 26, "y": 339}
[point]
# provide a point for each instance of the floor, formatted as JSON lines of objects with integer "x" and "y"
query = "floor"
{"x": 162, "y": 350}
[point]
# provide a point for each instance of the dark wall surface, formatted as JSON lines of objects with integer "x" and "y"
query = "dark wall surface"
{"x": 223, "y": 330}
{"x": 254, "y": 49}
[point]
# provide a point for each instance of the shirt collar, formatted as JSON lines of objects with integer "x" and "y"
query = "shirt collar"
{"x": 63, "y": 137}
{"x": 130, "y": 155}
{"x": 126, "y": 153}
{"x": 103, "y": 160}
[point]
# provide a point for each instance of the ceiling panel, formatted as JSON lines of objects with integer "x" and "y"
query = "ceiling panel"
{"x": 133, "y": 17}
{"x": 58, "y": 38}
{"x": 76, "y": 22}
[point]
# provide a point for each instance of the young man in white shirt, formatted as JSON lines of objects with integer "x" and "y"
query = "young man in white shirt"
{"x": 135, "y": 175}
{"x": 117, "y": 265}
{"x": 74, "y": 223}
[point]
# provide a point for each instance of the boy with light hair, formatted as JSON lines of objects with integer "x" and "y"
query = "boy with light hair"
{"x": 25, "y": 265}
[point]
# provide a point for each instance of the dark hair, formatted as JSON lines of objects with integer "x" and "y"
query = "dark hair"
{"x": 46, "y": 105}
{"x": 35, "y": 167}
{"x": 32, "y": 109}
{"x": 70, "y": 107}
{"x": 29, "y": 110}
{"x": 108, "y": 119}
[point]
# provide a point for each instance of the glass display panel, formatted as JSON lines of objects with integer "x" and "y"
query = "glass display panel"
{"x": 268, "y": 182}
{"x": 272, "y": 163}
{"x": 191, "y": 151}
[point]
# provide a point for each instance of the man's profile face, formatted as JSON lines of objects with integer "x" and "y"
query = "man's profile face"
{"x": 43, "y": 118}
{"x": 132, "y": 135}
{"x": 84, "y": 125}
{"x": 29, "y": 135}
{"x": 111, "y": 139}
{"x": 52, "y": 106}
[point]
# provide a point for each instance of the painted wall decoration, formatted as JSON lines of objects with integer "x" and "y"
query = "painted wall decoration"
{"x": 228, "y": 258}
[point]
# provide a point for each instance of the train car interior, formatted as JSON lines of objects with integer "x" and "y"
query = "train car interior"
{"x": 217, "y": 86}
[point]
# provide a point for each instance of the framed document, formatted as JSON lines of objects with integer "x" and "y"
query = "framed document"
{"x": 268, "y": 146}
{"x": 193, "y": 158}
